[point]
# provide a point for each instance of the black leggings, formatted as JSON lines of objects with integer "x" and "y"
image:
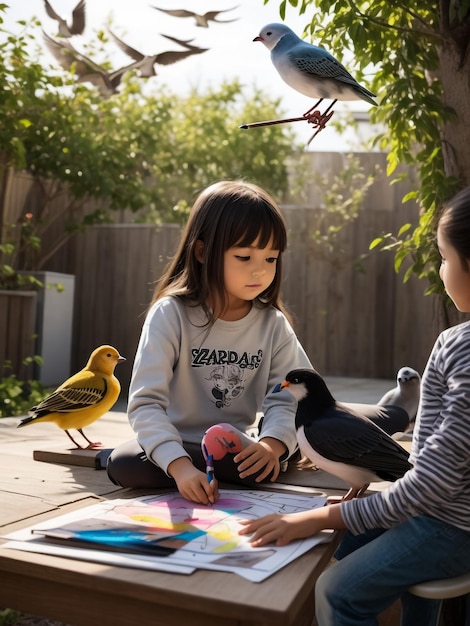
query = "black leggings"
{"x": 128, "y": 465}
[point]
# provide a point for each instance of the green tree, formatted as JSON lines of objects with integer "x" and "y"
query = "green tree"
{"x": 415, "y": 57}
{"x": 147, "y": 153}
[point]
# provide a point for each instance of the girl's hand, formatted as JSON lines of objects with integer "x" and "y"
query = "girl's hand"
{"x": 259, "y": 457}
{"x": 192, "y": 483}
{"x": 280, "y": 528}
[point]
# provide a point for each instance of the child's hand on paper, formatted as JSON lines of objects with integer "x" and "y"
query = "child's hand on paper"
{"x": 193, "y": 484}
{"x": 280, "y": 528}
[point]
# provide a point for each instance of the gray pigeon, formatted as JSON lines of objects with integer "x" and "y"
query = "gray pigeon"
{"x": 406, "y": 393}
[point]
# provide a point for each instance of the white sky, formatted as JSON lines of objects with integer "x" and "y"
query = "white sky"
{"x": 232, "y": 52}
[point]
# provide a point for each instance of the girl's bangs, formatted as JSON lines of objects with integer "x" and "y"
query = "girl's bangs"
{"x": 260, "y": 226}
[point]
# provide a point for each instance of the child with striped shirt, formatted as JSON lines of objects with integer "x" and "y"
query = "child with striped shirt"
{"x": 418, "y": 529}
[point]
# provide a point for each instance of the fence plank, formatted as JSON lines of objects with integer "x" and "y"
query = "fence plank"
{"x": 352, "y": 313}
{"x": 17, "y": 328}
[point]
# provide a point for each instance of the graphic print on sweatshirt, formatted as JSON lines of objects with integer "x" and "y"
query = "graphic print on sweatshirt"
{"x": 226, "y": 371}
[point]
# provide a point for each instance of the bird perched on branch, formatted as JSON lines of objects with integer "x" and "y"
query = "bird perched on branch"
{"x": 86, "y": 70}
{"x": 338, "y": 440}
{"x": 78, "y": 20}
{"x": 312, "y": 71}
{"x": 83, "y": 398}
{"x": 406, "y": 393}
{"x": 145, "y": 64}
{"x": 201, "y": 20}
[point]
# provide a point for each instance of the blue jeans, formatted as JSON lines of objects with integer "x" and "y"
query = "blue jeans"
{"x": 357, "y": 588}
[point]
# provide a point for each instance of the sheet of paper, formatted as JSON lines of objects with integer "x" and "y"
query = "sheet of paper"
{"x": 196, "y": 536}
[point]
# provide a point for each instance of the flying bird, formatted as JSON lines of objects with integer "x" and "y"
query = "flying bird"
{"x": 78, "y": 20}
{"x": 86, "y": 70}
{"x": 406, "y": 393}
{"x": 202, "y": 20}
{"x": 185, "y": 43}
{"x": 83, "y": 398}
{"x": 312, "y": 71}
{"x": 338, "y": 440}
{"x": 145, "y": 64}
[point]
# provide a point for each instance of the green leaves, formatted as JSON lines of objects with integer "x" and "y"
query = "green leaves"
{"x": 148, "y": 153}
{"x": 395, "y": 48}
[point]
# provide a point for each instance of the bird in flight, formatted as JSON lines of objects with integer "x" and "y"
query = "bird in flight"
{"x": 145, "y": 64}
{"x": 202, "y": 20}
{"x": 83, "y": 398}
{"x": 86, "y": 70}
{"x": 78, "y": 20}
{"x": 312, "y": 71}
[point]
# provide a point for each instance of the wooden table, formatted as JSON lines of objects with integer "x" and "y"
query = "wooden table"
{"x": 84, "y": 593}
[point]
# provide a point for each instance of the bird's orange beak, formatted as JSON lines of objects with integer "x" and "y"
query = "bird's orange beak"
{"x": 281, "y": 386}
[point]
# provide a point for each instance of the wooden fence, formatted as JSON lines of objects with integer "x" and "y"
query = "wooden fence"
{"x": 352, "y": 312}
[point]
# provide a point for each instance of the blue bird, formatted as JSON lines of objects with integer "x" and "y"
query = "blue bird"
{"x": 339, "y": 440}
{"x": 312, "y": 71}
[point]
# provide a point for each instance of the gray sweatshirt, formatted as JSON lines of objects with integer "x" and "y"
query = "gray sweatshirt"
{"x": 188, "y": 377}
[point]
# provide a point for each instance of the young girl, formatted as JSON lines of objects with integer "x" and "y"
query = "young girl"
{"x": 418, "y": 529}
{"x": 215, "y": 342}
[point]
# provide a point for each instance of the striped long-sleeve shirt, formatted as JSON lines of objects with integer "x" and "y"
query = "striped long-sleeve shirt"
{"x": 438, "y": 484}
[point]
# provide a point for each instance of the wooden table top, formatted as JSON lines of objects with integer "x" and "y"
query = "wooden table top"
{"x": 79, "y": 592}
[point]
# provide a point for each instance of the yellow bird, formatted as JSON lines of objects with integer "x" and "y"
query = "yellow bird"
{"x": 83, "y": 398}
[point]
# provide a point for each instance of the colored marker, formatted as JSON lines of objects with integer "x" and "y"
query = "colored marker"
{"x": 210, "y": 468}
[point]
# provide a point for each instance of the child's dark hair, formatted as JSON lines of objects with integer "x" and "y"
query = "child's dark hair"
{"x": 226, "y": 214}
{"x": 454, "y": 223}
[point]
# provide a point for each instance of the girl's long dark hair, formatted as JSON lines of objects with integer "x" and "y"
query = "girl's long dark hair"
{"x": 455, "y": 224}
{"x": 226, "y": 214}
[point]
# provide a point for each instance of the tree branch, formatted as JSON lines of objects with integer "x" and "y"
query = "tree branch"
{"x": 400, "y": 29}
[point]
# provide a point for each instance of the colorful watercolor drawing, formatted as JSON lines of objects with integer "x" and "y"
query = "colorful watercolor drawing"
{"x": 168, "y": 528}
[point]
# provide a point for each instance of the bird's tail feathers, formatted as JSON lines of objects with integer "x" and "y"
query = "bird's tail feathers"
{"x": 25, "y": 421}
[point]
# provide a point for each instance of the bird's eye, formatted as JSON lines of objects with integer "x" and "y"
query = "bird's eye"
{"x": 109, "y": 355}
{"x": 269, "y": 33}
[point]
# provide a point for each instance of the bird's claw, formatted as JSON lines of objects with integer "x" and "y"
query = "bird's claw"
{"x": 94, "y": 446}
{"x": 318, "y": 119}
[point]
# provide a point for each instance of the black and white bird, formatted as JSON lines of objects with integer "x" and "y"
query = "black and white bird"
{"x": 144, "y": 64}
{"x": 406, "y": 393}
{"x": 77, "y": 25}
{"x": 202, "y": 20}
{"x": 338, "y": 440}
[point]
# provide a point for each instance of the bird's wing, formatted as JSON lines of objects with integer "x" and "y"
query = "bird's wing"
{"x": 78, "y": 19}
{"x": 211, "y": 15}
{"x": 320, "y": 63}
{"x": 167, "y": 58}
{"x": 51, "y": 13}
{"x": 177, "y": 12}
{"x": 225, "y": 21}
{"x": 357, "y": 442}
{"x": 132, "y": 52}
{"x": 186, "y": 43}
{"x": 69, "y": 398}
{"x": 67, "y": 56}
{"x": 389, "y": 397}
